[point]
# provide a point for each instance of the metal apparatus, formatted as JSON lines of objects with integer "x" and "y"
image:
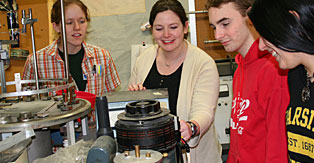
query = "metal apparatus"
{"x": 12, "y": 19}
{"x": 150, "y": 122}
{"x": 29, "y": 20}
{"x": 38, "y": 107}
{"x": 38, "y": 114}
{"x": 226, "y": 68}
{"x": 145, "y": 124}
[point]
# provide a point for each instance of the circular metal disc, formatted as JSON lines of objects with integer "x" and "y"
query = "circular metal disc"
{"x": 55, "y": 115}
{"x": 164, "y": 112}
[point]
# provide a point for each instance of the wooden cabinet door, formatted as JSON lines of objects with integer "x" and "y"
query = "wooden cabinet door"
{"x": 41, "y": 30}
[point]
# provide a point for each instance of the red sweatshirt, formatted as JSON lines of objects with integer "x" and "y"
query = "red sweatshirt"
{"x": 260, "y": 99}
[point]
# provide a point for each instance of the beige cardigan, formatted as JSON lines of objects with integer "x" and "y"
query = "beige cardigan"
{"x": 197, "y": 98}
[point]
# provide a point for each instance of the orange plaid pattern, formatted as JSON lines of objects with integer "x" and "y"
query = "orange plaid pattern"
{"x": 51, "y": 66}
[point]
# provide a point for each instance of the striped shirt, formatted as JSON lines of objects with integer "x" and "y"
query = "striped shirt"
{"x": 98, "y": 68}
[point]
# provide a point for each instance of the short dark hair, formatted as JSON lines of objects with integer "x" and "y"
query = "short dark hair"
{"x": 56, "y": 9}
{"x": 241, "y": 5}
{"x": 276, "y": 22}
{"x": 164, "y": 5}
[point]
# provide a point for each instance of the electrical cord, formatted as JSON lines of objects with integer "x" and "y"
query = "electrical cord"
{"x": 183, "y": 145}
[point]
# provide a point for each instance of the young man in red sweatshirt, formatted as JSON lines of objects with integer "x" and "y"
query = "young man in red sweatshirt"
{"x": 260, "y": 90}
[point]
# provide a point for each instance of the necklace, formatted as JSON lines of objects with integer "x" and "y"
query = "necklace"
{"x": 182, "y": 54}
{"x": 306, "y": 90}
{"x": 177, "y": 60}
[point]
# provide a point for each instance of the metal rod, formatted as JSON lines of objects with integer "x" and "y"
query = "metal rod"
{"x": 17, "y": 79}
{"x": 3, "y": 85}
{"x": 33, "y": 81}
{"x": 23, "y": 21}
{"x": 70, "y": 132}
{"x": 34, "y": 51}
{"x": 85, "y": 126}
{"x": 137, "y": 151}
{"x": 210, "y": 41}
{"x": 33, "y": 92}
{"x": 64, "y": 42}
{"x": 2, "y": 71}
{"x": 197, "y": 12}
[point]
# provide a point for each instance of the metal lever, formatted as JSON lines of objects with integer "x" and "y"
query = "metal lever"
{"x": 45, "y": 112}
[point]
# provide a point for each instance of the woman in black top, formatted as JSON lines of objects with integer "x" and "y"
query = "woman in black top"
{"x": 287, "y": 30}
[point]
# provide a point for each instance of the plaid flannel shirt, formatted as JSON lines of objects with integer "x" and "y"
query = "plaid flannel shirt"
{"x": 51, "y": 66}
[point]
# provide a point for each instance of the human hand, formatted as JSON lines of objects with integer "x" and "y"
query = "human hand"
{"x": 136, "y": 87}
{"x": 185, "y": 130}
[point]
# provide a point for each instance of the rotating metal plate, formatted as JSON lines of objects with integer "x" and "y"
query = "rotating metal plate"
{"x": 13, "y": 121}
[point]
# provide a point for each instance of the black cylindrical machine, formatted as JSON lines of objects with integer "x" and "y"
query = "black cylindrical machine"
{"x": 146, "y": 124}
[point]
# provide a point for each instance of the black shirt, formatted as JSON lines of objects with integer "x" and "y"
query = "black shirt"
{"x": 299, "y": 117}
{"x": 75, "y": 66}
{"x": 155, "y": 80}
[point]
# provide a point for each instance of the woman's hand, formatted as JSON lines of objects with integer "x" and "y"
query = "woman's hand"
{"x": 136, "y": 87}
{"x": 185, "y": 130}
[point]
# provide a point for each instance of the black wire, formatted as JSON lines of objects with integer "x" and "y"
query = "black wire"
{"x": 179, "y": 153}
{"x": 186, "y": 145}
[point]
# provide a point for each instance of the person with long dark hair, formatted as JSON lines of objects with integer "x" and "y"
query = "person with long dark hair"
{"x": 287, "y": 31}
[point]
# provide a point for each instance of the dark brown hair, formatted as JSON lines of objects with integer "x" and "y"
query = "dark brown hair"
{"x": 56, "y": 9}
{"x": 241, "y": 5}
{"x": 164, "y": 5}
